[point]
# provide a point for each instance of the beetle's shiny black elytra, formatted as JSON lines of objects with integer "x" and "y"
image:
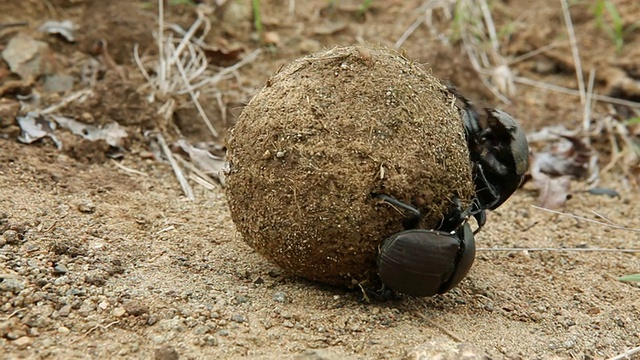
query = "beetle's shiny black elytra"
{"x": 421, "y": 262}
{"x": 499, "y": 153}
{"x": 502, "y": 157}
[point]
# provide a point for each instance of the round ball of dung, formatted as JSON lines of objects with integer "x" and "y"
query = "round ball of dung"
{"x": 326, "y": 134}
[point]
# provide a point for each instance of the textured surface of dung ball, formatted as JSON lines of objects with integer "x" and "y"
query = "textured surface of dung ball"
{"x": 325, "y": 133}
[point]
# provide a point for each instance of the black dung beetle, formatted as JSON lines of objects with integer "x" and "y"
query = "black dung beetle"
{"x": 420, "y": 262}
{"x": 499, "y": 154}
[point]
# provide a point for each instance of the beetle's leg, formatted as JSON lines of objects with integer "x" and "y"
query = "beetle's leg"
{"x": 489, "y": 159}
{"x": 485, "y": 190}
{"x": 456, "y": 216}
{"x": 481, "y": 219}
{"x": 470, "y": 117}
{"x": 414, "y": 217}
{"x": 386, "y": 293}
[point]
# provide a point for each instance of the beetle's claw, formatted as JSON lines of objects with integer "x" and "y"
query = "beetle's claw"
{"x": 384, "y": 294}
{"x": 481, "y": 219}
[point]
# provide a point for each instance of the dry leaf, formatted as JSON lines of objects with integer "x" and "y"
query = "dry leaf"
{"x": 112, "y": 133}
{"x": 223, "y": 56}
{"x": 570, "y": 157}
{"x": 550, "y": 133}
{"x": 63, "y": 28}
{"x": 210, "y": 164}
{"x": 553, "y": 191}
{"x": 35, "y": 127}
{"x": 28, "y": 57}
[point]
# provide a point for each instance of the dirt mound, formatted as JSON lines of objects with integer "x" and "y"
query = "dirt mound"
{"x": 324, "y": 134}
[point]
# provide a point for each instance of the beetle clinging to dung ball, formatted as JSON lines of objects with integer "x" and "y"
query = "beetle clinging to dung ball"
{"x": 363, "y": 172}
{"x": 499, "y": 157}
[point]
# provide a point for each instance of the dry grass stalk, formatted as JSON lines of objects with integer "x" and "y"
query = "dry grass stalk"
{"x": 480, "y": 41}
{"x": 551, "y": 249}
{"x": 581, "y": 218}
{"x": 574, "y": 50}
{"x": 627, "y": 354}
{"x": 426, "y": 10}
{"x": 184, "y": 184}
{"x": 127, "y": 169}
{"x": 568, "y": 91}
{"x": 182, "y": 67}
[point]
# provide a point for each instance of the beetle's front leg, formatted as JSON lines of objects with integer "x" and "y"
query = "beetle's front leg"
{"x": 489, "y": 160}
{"x": 412, "y": 220}
{"x": 487, "y": 196}
{"x": 458, "y": 215}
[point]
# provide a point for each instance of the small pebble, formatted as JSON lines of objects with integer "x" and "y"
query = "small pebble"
{"x": 545, "y": 66}
{"x": 15, "y": 333}
{"x": 136, "y": 308}
{"x": 75, "y": 292}
{"x": 23, "y": 342}
{"x": 63, "y": 330}
{"x": 11, "y": 237}
{"x": 201, "y": 329}
{"x": 119, "y": 312}
{"x": 47, "y": 343}
{"x": 152, "y": 320}
{"x": 86, "y": 207}
{"x": 65, "y": 311}
{"x": 210, "y": 340}
{"x": 61, "y": 280}
{"x": 317, "y": 354}
{"x": 166, "y": 353}
{"x": 287, "y": 324}
{"x": 11, "y": 285}
{"x": 280, "y": 297}
{"x": 238, "y": 318}
{"x": 60, "y": 269}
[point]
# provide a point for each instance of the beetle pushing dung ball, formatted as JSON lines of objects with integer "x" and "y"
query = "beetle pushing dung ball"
{"x": 353, "y": 167}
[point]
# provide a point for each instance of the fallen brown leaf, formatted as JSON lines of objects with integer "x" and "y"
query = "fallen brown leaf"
{"x": 553, "y": 191}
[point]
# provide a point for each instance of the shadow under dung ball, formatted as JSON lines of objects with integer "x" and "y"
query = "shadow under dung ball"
{"x": 325, "y": 133}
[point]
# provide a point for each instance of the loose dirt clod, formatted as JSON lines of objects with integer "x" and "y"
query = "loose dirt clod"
{"x": 324, "y": 134}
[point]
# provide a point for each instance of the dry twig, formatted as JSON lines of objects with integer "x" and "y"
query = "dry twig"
{"x": 182, "y": 67}
{"x": 568, "y": 91}
{"x": 184, "y": 184}
{"x": 574, "y": 49}
{"x": 477, "y": 30}
{"x": 552, "y": 249}
{"x": 127, "y": 169}
{"x": 627, "y": 354}
{"x": 577, "y": 217}
{"x": 453, "y": 335}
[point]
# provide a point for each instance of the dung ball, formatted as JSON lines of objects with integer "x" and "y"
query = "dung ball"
{"x": 326, "y": 134}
